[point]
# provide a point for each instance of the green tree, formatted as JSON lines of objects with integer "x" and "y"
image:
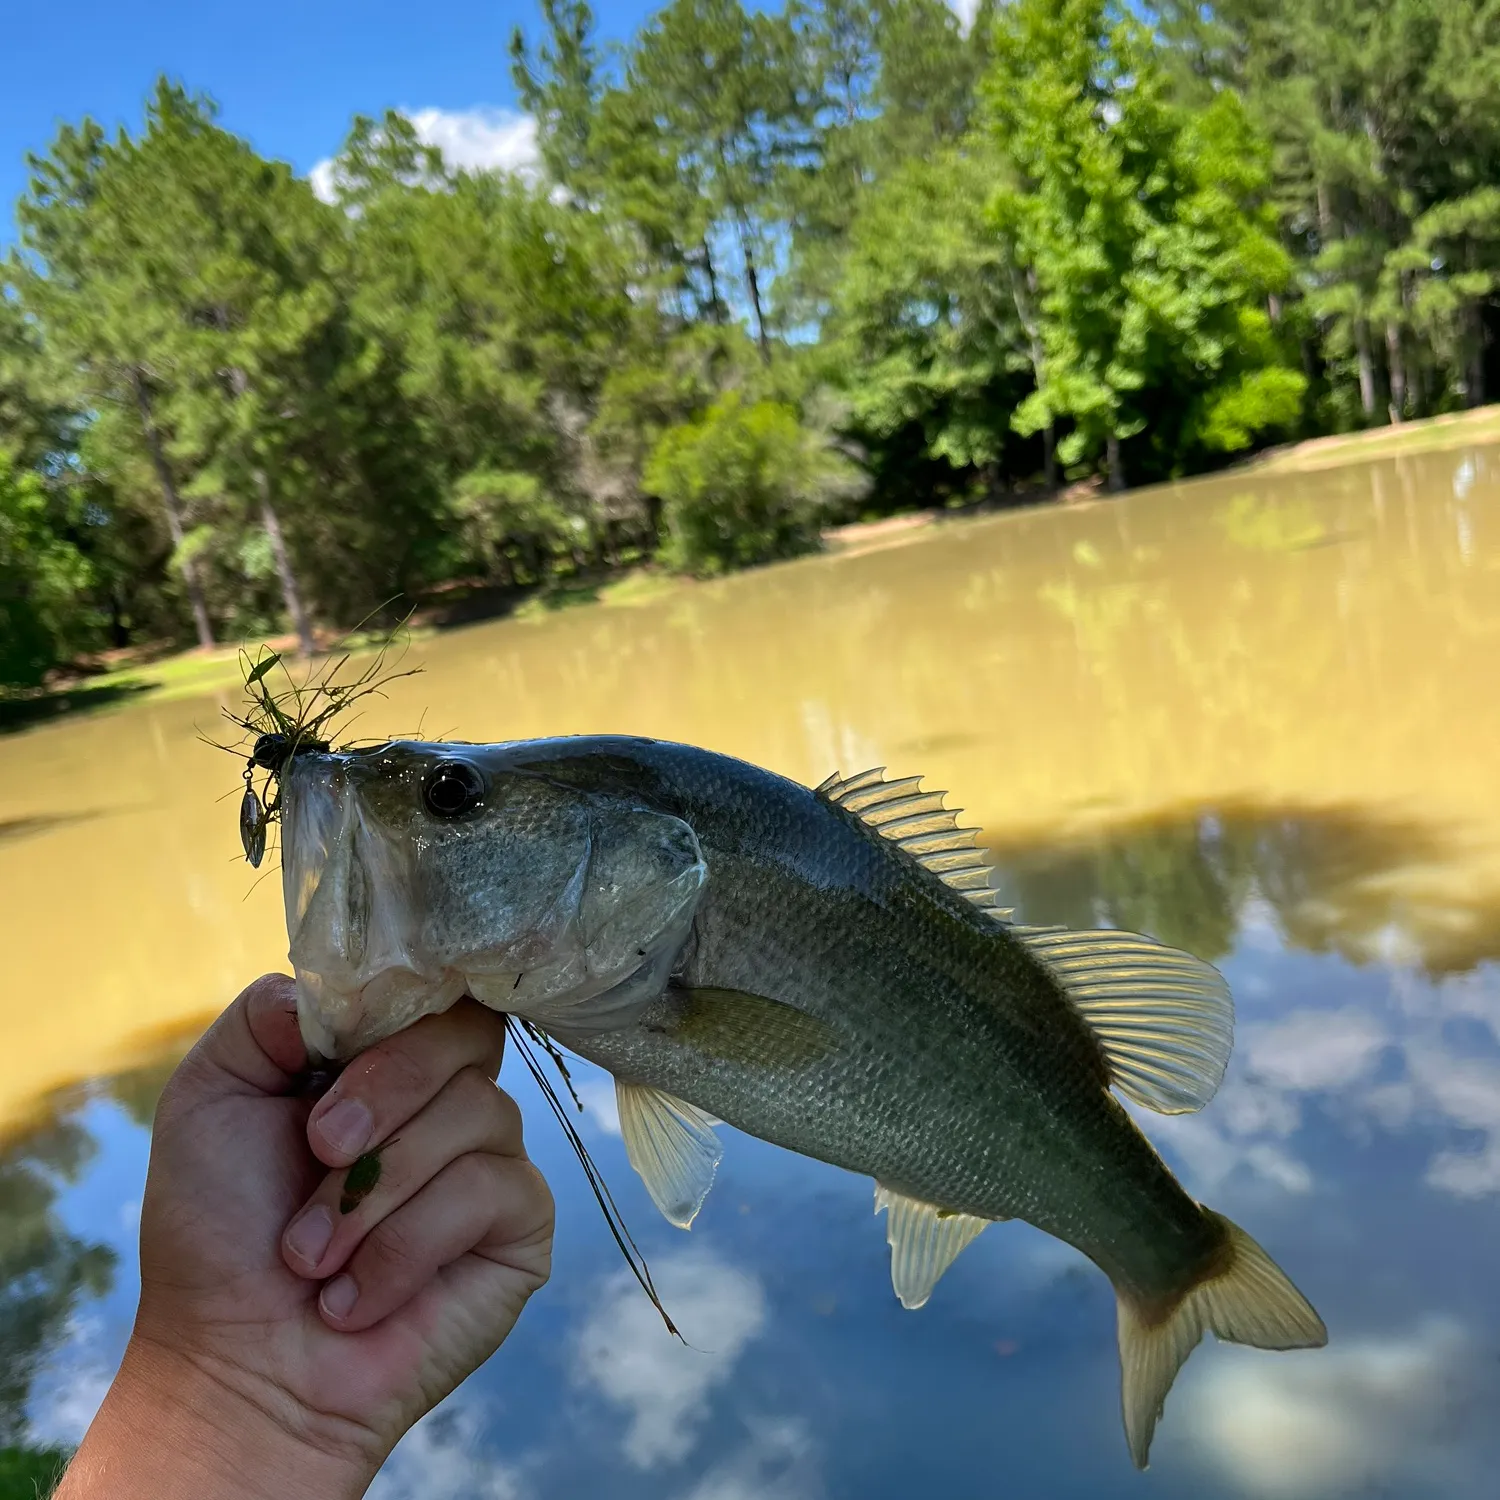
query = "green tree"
{"x": 745, "y": 485}
{"x": 933, "y": 344}
{"x": 41, "y": 576}
{"x": 98, "y": 334}
{"x": 706, "y": 100}
{"x": 1153, "y": 245}
{"x": 44, "y": 1270}
{"x": 561, "y": 87}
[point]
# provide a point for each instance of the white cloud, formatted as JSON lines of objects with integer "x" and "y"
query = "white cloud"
{"x": 1359, "y": 1413}
{"x": 777, "y": 1463}
{"x": 964, "y": 10}
{"x": 477, "y": 140}
{"x": 75, "y": 1379}
{"x": 1316, "y": 1049}
{"x": 62, "y": 1415}
{"x": 480, "y": 140}
{"x": 439, "y": 1460}
{"x": 1396, "y": 1062}
{"x": 323, "y": 181}
{"x": 597, "y": 1095}
{"x": 625, "y": 1353}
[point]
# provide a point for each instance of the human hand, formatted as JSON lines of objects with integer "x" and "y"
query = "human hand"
{"x": 287, "y": 1334}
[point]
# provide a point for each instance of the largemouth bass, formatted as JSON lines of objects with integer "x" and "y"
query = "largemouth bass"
{"x": 823, "y": 969}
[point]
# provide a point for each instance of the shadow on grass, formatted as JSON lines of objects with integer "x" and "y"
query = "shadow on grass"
{"x": 19, "y": 711}
{"x": 475, "y": 605}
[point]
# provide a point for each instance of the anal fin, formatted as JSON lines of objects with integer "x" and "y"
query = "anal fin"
{"x": 671, "y": 1144}
{"x": 924, "y": 1240}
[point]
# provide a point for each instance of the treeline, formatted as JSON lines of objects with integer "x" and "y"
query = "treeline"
{"x": 775, "y": 269}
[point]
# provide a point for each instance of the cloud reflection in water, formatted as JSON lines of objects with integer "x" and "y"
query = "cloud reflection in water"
{"x": 625, "y": 1353}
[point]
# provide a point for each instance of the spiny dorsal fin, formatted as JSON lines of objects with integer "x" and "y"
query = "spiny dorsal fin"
{"x": 924, "y": 1240}
{"x": 918, "y": 822}
{"x": 1164, "y": 1018}
{"x": 671, "y": 1145}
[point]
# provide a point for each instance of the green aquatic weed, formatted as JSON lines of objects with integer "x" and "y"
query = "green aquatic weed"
{"x": 361, "y": 1179}
{"x": 285, "y": 716}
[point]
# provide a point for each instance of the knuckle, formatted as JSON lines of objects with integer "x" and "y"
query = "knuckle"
{"x": 507, "y": 1115}
{"x": 395, "y": 1070}
{"x": 500, "y": 1113}
{"x": 272, "y": 986}
{"x": 476, "y": 1176}
{"x": 537, "y": 1190}
{"x": 393, "y": 1252}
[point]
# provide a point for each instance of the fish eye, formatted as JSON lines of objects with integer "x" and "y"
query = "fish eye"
{"x": 452, "y": 788}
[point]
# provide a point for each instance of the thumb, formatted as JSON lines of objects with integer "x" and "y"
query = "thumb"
{"x": 255, "y": 1046}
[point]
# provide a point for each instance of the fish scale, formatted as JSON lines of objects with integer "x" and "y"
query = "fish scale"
{"x": 819, "y": 968}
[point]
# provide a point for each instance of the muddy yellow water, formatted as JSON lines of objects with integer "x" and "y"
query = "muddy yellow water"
{"x": 1305, "y": 667}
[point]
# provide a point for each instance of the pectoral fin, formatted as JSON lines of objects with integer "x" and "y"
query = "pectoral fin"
{"x": 749, "y": 1030}
{"x": 924, "y": 1240}
{"x": 671, "y": 1145}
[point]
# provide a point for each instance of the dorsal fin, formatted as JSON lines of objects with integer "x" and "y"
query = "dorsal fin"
{"x": 917, "y": 822}
{"x": 1164, "y": 1018}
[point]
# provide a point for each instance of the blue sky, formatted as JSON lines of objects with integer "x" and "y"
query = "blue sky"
{"x": 286, "y": 75}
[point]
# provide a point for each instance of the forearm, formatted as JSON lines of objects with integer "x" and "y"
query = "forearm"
{"x": 169, "y": 1429}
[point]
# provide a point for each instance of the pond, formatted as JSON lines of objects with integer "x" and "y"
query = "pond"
{"x": 1255, "y": 716}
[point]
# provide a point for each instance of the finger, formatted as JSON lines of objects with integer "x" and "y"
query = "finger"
{"x": 492, "y": 1205}
{"x": 470, "y": 1114}
{"x": 385, "y": 1086}
{"x": 255, "y": 1043}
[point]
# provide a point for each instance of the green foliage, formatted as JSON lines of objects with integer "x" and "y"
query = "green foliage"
{"x": 30, "y": 1473}
{"x": 1074, "y": 236}
{"x": 746, "y": 484}
{"x": 928, "y": 311}
{"x": 44, "y": 1270}
{"x": 1147, "y": 225}
{"x": 41, "y": 575}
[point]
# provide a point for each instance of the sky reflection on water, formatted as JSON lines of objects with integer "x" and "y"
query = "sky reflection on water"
{"x": 1256, "y": 726}
{"x": 1357, "y": 1134}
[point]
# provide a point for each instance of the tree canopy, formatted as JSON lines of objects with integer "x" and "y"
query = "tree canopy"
{"x": 775, "y": 267}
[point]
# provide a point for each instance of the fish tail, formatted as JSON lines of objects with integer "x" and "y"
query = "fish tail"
{"x": 1244, "y": 1297}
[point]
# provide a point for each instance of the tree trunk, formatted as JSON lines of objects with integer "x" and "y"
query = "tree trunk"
{"x": 1474, "y": 376}
{"x": 290, "y": 593}
{"x": 1024, "y": 303}
{"x": 1112, "y": 462}
{"x": 1412, "y": 368}
{"x": 173, "y": 507}
{"x": 715, "y": 306}
{"x": 1397, "y": 368}
{"x": 1366, "y": 368}
{"x": 752, "y": 281}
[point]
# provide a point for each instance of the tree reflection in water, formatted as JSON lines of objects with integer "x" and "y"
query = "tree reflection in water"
{"x": 1329, "y": 878}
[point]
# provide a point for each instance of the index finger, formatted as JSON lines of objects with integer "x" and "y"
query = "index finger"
{"x": 390, "y": 1082}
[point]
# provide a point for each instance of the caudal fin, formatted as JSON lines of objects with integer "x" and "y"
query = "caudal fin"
{"x": 1247, "y": 1299}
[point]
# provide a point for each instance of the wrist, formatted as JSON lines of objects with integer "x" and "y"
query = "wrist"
{"x": 175, "y": 1425}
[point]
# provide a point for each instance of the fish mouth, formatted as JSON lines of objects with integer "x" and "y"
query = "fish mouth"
{"x": 338, "y": 1022}
{"x": 358, "y": 972}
